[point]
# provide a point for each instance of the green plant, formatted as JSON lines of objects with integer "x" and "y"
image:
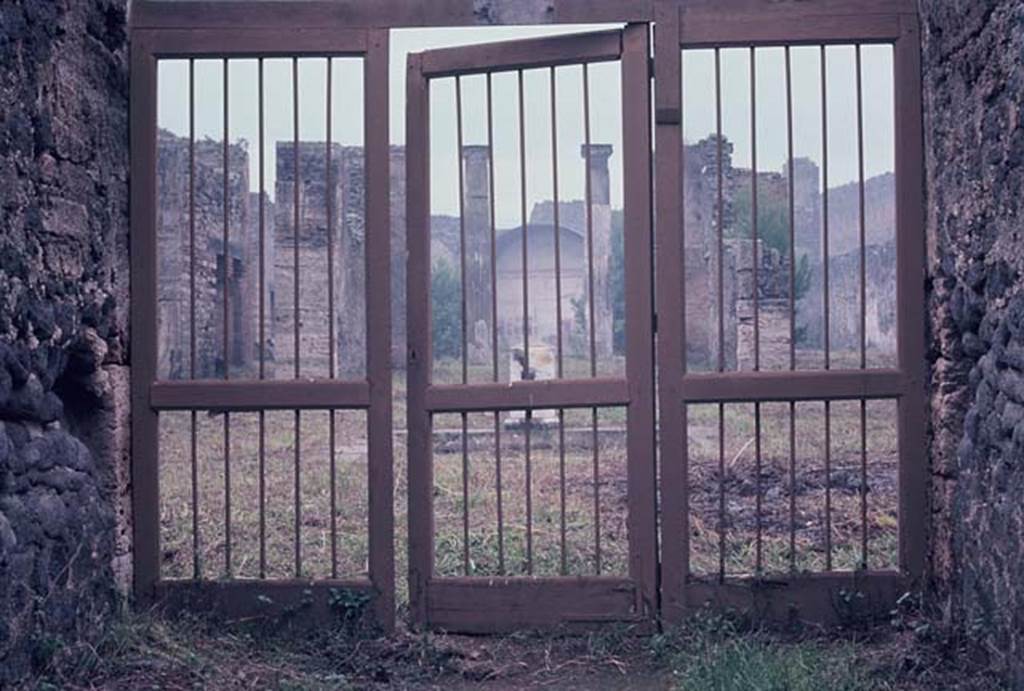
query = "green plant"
{"x": 446, "y": 312}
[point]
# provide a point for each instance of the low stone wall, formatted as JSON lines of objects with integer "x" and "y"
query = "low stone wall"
{"x": 974, "y": 78}
{"x": 64, "y": 544}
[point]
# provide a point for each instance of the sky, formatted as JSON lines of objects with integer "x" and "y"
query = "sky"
{"x": 699, "y": 111}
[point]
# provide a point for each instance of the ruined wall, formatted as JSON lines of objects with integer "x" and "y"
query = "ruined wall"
{"x": 63, "y": 324}
{"x": 973, "y": 81}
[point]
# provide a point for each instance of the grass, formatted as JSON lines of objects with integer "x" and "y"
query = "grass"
{"x": 584, "y": 523}
{"x": 710, "y": 653}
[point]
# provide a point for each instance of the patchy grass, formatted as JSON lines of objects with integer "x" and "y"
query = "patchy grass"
{"x": 710, "y": 653}
{"x": 505, "y": 549}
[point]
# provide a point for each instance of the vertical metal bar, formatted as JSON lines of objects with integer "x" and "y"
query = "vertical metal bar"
{"x": 863, "y": 312}
{"x": 825, "y": 209}
{"x": 526, "y": 323}
{"x": 145, "y": 424}
{"x": 721, "y": 493}
{"x": 196, "y": 564}
{"x": 494, "y": 320}
{"x": 756, "y": 289}
{"x": 462, "y": 231}
{"x": 827, "y": 306}
{"x": 558, "y": 317}
{"x": 862, "y": 225}
{"x": 378, "y": 328}
{"x": 792, "y": 309}
{"x": 591, "y": 315}
{"x": 463, "y": 316}
{"x": 227, "y": 331}
{"x": 720, "y": 309}
{"x": 792, "y": 486}
{"x": 828, "y": 485}
{"x": 295, "y": 316}
{"x": 792, "y": 219}
{"x": 420, "y": 465}
{"x": 331, "y": 341}
{"x": 262, "y": 328}
{"x": 465, "y": 495}
{"x": 753, "y": 207}
{"x": 671, "y": 307}
{"x": 863, "y": 484}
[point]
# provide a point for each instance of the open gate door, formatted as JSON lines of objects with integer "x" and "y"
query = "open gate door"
{"x": 515, "y": 555}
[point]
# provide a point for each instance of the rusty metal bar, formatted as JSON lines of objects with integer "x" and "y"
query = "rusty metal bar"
{"x": 463, "y": 316}
{"x": 828, "y": 486}
{"x": 558, "y": 316}
{"x": 863, "y": 233}
{"x": 756, "y": 290}
{"x": 753, "y": 209}
{"x": 863, "y": 307}
{"x": 597, "y": 492}
{"x": 262, "y": 328}
{"x": 526, "y": 323}
{"x": 494, "y": 320}
{"x": 824, "y": 201}
{"x": 792, "y": 220}
{"x": 295, "y": 319}
{"x": 863, "y": 484}
{"x": 592, "y": 314}
{"x": 227, "y": 333}
{"x": 720, "y": 308}
{"x": 331, "y": 340}
{"x": 465, "y": 495}
{"x": 196, "y": 564}
{"x": 721, "y": 492}
{"x": 792, "y": 486}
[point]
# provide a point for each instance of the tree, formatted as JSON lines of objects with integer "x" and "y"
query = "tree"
{"x": 446, "y": 311}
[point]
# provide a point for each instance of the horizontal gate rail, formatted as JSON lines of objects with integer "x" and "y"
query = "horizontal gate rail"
{"x": 523, "y": 54}
{"x": 805, "y": 385}
{"x": 261, "y": 395}
{"x": 528, "y": 395}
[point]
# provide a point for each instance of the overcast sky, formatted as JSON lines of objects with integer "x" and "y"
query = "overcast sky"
{"x": 606, "y": 122}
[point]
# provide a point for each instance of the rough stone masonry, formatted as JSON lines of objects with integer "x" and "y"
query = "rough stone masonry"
{"x": 974, "y": 102}
{"x": 63, "y": 324}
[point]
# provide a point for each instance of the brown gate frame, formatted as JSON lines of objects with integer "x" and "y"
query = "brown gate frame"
{"x": 712, "y": 24}
{"x": 150, "y": 396}
{"x": 767, "y": 21}
{"x": 488, "y": 604}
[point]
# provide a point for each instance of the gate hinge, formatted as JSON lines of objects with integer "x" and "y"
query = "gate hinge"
{"x": 650, "y": 67}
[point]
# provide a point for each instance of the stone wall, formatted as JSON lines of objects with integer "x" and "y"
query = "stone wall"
{"x": 64, "y": 525}
{"x": 973, "y": 81}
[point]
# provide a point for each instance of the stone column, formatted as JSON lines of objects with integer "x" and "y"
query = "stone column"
{"x": 601, "y": 215}
{"x": 477, "y": 222}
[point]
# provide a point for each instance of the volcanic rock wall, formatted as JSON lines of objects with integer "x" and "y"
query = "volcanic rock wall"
{"x": 974, "y": 81}
{"x": 63, "y": 323}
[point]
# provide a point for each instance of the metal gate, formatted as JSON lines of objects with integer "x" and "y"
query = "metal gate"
{"x": 516, "y": 596}
{"x": 783, "y": 589}
{"x": 227, "y": 392}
